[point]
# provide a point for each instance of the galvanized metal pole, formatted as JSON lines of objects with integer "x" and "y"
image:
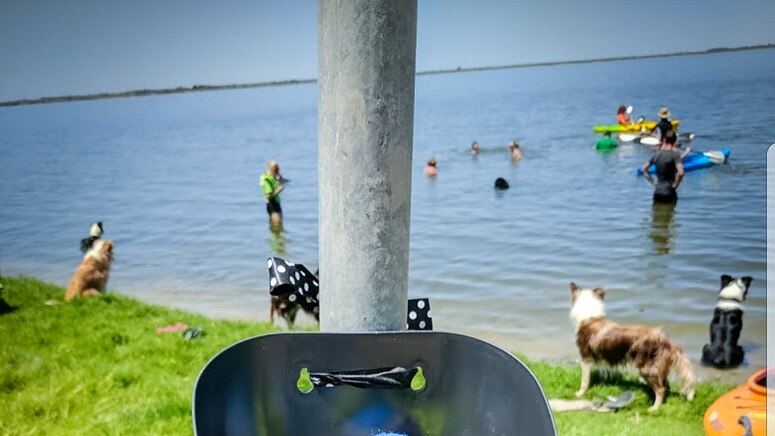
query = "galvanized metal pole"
{"x": 366, "y": 69}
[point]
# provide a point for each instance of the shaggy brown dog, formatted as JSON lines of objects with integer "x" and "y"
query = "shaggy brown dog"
{"x": 91, "y": 276}
{"x": 646, "y": 348}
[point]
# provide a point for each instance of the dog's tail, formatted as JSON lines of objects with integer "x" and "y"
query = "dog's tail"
{"x": 683, "y": 369}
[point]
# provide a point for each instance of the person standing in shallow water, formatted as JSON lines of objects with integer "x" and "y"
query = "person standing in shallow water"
{"x": 670, "y": 173}
{"x": 272, "y": 184}
{"x": 671, "y": 140}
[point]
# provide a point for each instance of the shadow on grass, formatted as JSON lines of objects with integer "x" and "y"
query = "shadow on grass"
{"x": 619, "y": 378}
{"x": 4, "y": 306}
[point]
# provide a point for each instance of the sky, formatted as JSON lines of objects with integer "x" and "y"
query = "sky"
{"x": 55, "y": 47}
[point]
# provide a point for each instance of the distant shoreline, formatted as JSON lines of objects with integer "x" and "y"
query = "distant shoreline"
{"x": 197, "y": 88}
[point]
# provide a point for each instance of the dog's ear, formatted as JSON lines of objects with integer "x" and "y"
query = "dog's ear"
{"x": 725, "y": 280}
{"x": 600, "y": 292}
{"x": 574, "y": 288}
{"x": 747, "y": 282}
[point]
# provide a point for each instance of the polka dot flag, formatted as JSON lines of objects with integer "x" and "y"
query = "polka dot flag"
{"x": 297, "y": 284}
{"x": 293, "y": 282}
{"x": 419, "y": 315}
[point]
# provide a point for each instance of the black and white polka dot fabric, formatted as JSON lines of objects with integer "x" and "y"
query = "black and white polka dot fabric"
{"x": 293, "y": 282}
{"x": 419, "y": 315}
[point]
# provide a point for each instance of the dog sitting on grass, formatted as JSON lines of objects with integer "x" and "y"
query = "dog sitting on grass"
{"x": 91, "y": 276}
{"x": 648, "y": 349}
{"x": 95, "y": 232}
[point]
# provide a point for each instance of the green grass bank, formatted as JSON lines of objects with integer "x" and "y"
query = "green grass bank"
{"x": 97, "y": 366}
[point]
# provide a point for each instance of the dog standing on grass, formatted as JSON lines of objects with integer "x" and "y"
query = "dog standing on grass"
{"x": 648, "y": 349}
{"x": 723, "y": 351}
{"x": 91, "y": 276}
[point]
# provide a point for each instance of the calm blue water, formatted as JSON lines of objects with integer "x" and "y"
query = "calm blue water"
{"x": 175, "y": 181}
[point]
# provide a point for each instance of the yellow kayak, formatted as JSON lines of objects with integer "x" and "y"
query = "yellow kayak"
{"x": 633, "y": 127}
{"x": 745, "y": 405}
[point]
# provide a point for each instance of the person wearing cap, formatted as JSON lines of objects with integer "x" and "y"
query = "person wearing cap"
{"x": 670, "y": 173}
{"x": 272, "y": 184}
{"x": 664, "y": 123}
{"x": 516, "y": 152}
{"x": 430, "y": 168}
{"x": 622, "y": 118}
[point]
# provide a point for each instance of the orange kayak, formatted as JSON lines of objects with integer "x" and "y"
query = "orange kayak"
{"x": 747, "y": 402}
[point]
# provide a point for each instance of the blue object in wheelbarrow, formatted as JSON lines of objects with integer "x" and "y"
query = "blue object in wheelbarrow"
{"x": 394, "y": 383}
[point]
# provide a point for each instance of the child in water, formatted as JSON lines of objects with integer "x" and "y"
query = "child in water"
{"x": 430, "y": 168}
{"x": 516, "y": 152}
{"x": 607, "y": 142}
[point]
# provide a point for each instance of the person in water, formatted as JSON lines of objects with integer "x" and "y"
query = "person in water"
{"x": 272, "y": 184}
{"x": 606, "y": 143}
{"x": 622, "y": 117}
{"x": 663, "y": 125}
{"x": 670, "y": 173}
{"x": 671, "y": 140}
{"x": 474, "y": 148}
{"x": 516, "y": 152}
{"x": 430, "y": 168}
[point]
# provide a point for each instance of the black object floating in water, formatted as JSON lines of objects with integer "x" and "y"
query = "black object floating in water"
{"x": 501, "y": 183}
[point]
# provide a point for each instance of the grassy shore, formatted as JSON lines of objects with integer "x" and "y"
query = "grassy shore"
{"x": 97, "y": 366}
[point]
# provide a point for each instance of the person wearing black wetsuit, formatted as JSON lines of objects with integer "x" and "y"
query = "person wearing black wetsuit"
{"x": 670, "y": 173}
{"x": 664, "y": 123}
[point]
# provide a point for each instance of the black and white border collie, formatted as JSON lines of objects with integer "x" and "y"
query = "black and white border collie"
{"x": 726, "y": 325}
{"x": 95, "y": 232}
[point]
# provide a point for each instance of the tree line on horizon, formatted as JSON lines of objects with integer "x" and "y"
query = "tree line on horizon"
{"x": 195, "y": 88}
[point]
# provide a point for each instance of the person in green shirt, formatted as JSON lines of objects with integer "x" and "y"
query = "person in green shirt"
{"x": 607, "y": 143}
{"x": 272, "y": 184}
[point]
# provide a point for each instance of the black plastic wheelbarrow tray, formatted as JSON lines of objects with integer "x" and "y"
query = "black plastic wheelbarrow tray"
{"x": 368, "y": 384}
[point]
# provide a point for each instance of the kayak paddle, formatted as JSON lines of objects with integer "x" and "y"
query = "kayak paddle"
{"x": 715, "y": 156}
{"x": 628, "y": 137}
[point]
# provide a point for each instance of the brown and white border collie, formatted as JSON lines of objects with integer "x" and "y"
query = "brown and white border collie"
{"x": 91, "y": 276}
{"x": 648, "y": 349}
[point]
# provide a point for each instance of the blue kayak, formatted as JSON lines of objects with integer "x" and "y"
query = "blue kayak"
{"x": 697, "y": 160}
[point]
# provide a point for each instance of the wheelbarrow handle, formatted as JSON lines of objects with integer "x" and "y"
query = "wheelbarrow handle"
{"x": 378, "y": 378}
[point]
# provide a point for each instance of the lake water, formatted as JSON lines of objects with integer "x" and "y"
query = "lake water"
{"x": 175, "y": 180}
